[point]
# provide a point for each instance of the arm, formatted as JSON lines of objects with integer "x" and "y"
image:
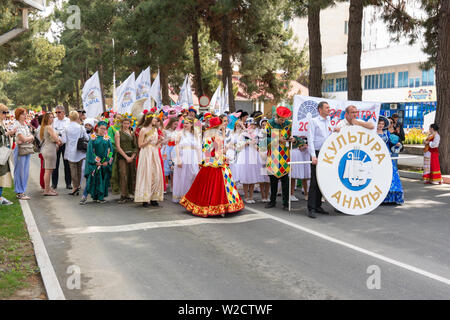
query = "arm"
{"x": 54, "y": 135}
{"x": 364, "y": 124}
{"x": 311, "y": 149}
{"x": 435, "y": 142}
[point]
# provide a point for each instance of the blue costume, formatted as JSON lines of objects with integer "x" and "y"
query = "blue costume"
{"x": 395, "y": 194}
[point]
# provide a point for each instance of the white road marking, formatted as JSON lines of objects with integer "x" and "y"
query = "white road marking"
{"x": 52, "y": 286}
{"x": 356, "y": 248}
{"x": 160, "y": 224}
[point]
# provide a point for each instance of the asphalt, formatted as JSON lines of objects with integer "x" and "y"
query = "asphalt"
{"x": 178, "y": 257}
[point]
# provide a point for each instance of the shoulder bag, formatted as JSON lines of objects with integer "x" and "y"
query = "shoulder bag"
{"x": 82, "y": 143}
{"x": 5, "y": 152}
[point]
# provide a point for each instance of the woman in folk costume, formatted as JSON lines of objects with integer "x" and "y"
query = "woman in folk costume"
{"x": 231, "y": 144}
{"x": 300, "y": 171}
{"x": 431, "y": 166}
{"x": 264, "y": 185}
{"x": 395, "y": 194}
{"x": 99, "y": 158}
{"x": 168, "y": 146}
{"x": 213, "y": 191}
{"x": 248, "y": 162}
{"x": 125, "y": 166}
{"x": 149, "y": 176}
{"x": 5, "y": 142}
{"x": 186, "y": 158}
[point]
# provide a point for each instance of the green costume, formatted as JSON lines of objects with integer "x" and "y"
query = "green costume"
{"x": 115, "y": 178}
{"x": 98, "y": 177}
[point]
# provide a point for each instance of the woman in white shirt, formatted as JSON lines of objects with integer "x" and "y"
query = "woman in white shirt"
{"x": 431, "y": 166}
{"x": 71, "y": 134}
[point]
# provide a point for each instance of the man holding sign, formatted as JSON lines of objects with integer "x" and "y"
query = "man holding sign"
{"x": 319, "y": 130}
{"x": 351, "y": 112}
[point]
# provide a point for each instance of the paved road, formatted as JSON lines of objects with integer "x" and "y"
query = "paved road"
{"x": 166, "y": 253}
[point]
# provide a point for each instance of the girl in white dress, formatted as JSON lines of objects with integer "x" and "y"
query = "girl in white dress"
{"x": 300, "y": 171}
{"x": 264, "y": 185}
{"x": 231, "y": 144}
{"x": 248, "y": 162}
{"x": 186, "y": 156}
{"x": 168, "y": 146}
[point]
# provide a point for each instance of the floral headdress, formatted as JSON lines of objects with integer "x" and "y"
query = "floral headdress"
{"x": 128, "y": 116}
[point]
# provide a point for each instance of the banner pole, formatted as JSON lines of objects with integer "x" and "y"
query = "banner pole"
{"x": 290, "y": 174}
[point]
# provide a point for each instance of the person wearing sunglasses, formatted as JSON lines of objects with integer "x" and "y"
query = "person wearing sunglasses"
{"x": 59, "y": 124}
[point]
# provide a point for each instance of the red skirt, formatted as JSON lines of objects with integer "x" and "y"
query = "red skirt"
{"x": 212, "y": 193}
{"x": 435, "y": 169}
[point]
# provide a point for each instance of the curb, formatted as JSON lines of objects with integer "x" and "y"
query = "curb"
{"x": 51, "y": 283}
{"x": 410, "y": 174}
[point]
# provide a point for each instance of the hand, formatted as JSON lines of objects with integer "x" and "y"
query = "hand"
{"x": 314, "y": 160}
{"x": 98, "y": 164}
{"x": 336, "y": 129}
{"x": 180, "y": 165}
{"x": 129, "y": 159}
{"x": 104, "y": 164}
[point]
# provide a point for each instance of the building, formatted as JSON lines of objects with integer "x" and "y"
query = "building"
{"x": 390, "y": 71}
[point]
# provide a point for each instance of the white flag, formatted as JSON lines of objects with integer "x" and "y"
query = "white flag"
{"x": 185, "y": 98}
{"x": 216, "y": 99}
{"x": 143, "y": 84}
{"x": 92, "y": 97}
{"x": 126, "y": 95}
{"x": 155, "y": 92}
{"x": 225, "y": 105}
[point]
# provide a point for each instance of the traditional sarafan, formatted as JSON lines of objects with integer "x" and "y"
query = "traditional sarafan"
{"x": 213, "y": 191}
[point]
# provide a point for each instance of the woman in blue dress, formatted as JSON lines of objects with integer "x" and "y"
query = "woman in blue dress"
{"x": 395, "y": 194}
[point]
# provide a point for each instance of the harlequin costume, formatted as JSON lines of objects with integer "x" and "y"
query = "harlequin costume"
{"x": 98, "y": 177}
{"x": 278, "y": 155}
{"x": 213, "y": 191}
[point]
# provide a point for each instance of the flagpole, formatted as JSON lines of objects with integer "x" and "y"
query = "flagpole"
{"x": 114, "y": 80}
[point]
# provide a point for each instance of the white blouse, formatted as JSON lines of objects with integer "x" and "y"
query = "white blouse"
{"x": 70, "y": 137}
{"x": 435, "y": 142}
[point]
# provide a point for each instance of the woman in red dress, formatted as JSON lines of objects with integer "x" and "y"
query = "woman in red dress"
{"x": 431, "y": 167}
{"x": 214, "y": 191}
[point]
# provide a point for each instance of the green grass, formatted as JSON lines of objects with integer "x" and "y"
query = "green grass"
{"x": 17, "y": 260}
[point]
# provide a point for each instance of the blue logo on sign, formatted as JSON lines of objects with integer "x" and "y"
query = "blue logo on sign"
{"x": 307, "y": 107}
{"x": 355, "y": 169}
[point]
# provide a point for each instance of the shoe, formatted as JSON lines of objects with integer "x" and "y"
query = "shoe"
{"x": 5, "y": 202}
{"x": 293, "y": 198}
{"x": 23, "y": 196}
{"x": 75, "y": 192}
{"x": 270, "y": 205}
{"x": 247, "y": 201}
{"x": 312, "y": 214}
{"x": 320, "y": 210}
{"x": 253, "y": 201}
{"x": 54, "y": 187}
{"x": 146, "y": 204}
{"x": 100, "y": 201}
{"x": 83, "y": 201}
{"x": 68, "y": 187}
{"x": 50, "y": 193}
{"x": 122, "y": 200}
{"x": 154, "y": 203}
{"x": 306, "y": 197}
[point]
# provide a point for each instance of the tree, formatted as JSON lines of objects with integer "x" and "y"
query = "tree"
{"x": 354, "y": 50}
{"x": 436, "y": 24}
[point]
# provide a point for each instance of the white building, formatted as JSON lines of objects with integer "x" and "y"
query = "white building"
{"x": 390, "y": 70}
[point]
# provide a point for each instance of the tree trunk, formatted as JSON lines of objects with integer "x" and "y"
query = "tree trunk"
{"x": 77, "y": 88}
{"x": 315, "y": 51}
{"x": 442, "y": 85}
{"x": 197, "y": 66}
{"x": 101, "y": 80}
{"x": 354, "y": 51}
{"x": 163, "y": 76}
{"x": 226, "y": 61}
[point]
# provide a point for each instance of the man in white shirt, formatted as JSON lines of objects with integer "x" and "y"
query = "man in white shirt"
{"x": 351, "y": 112}
{"x": 318, "y": 131}
{"x": 59, "y": 124}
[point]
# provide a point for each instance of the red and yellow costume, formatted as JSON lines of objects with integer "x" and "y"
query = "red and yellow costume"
{"x": 213, "y": 191}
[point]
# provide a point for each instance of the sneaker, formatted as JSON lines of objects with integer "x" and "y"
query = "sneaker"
{"x": 5, "y": 202}
{"x": 265, "y": 200}
{"x": 293, "y": 198}
{"x": 83, "y": 200}
{"x": 251, "y": 201}
{"x": 100, "y": 201}
{"x": 306, "y": 197}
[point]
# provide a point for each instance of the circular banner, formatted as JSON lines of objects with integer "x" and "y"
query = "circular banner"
{"x": 354, "y": 170}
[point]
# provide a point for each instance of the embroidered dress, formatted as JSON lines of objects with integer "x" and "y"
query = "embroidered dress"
{"x": 248, "y": 162}
{"x": 395, "y": 194}
{"x": 149, "y": 176}
{"x": 98, "y": 177}
{"x": 431, "y": 166}
{"x": 188, "y": 151}
{"x": 213, "y": 191}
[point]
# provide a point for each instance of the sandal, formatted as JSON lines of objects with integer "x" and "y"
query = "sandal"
{"x": 24, "y": 197}
{"x": 51, "y": 193}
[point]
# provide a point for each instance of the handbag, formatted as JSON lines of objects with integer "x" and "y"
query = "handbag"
{"x": 82, "y": 143}
{"x": 26, "y": 149}
{"x": 5, "y": 152}
{"x": 37, "y": 145}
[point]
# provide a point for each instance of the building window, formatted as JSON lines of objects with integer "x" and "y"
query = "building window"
{"x": 403, "y": 79}
{"x": 328, "y": 85}
{"x": 411, "y": 83}
{"x": 345, "y": 27}
{"x": 341, "y": 84}
{"x": 417, "y": 83}
{"x": 428, "y": 77}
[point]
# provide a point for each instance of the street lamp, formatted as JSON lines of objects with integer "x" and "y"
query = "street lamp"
{"x": 28, "y": 5}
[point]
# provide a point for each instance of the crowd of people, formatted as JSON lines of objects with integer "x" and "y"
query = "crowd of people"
{"x": 211, "y": 164}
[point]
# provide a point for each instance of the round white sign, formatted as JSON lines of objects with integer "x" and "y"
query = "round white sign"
{"x": 203, "y": 101}
{"x": 354, "y": 170}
